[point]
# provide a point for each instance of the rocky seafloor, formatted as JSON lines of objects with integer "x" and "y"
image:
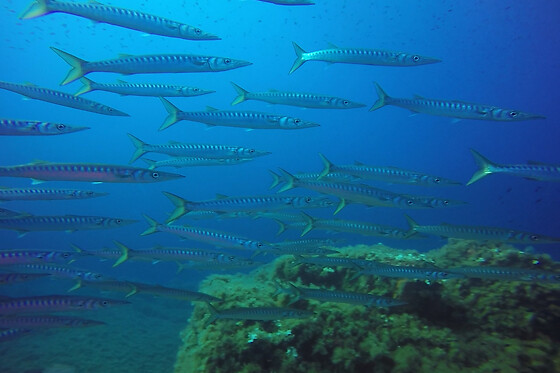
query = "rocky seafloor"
{"x": 455, "y": 325}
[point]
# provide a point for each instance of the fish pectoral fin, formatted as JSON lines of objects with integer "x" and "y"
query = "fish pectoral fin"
{"x": 418, "y": 97}
{"x": 332, "y": 46}
{"x": 37, "y": 181}
{"x": 70, "y": 230}
{"x": 36, "y": 162}
{"x": 221, "y": 196}
{"x": 93, "y": 2}
{"x": 124, "y": 55}
{"x": 210, "y": 108}
{"x": 21, "y": 233}
{"x": 97, "y": 182}
{"x": 29, "y": 84}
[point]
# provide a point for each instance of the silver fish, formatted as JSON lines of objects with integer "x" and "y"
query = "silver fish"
{"x": 481, "y": 233}
{"x": 14, "y": 127}
{"x": 54, "y": 303}
{"x": 180, "y": 162}
{"x": 177, "y": 149}
{"x": 451, "y": 108}
{"x": 12, "y": 277}
{"x": 36, "y": 194}
{"x": 246, "y": 203}
{"x": 46, "y": 321}
{"x": 141, "y": 89}
{"x": 148, "y": 64}
{"x": 60, "y": 98}
{"x": 531, "y": 171}
{"x": 122, "y": 17}
{"x": 307, "y": 100}
{"x": 241, "y": 119}
{"x": 385, "y": 174}
{"x": 359, "y": 56}
{"x": 507, "y": 274}
{"x": 290, "y": 2}
{"x": 257, "y": 313}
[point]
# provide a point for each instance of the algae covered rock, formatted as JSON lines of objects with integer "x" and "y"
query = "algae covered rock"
{"x": 455, "y": 325}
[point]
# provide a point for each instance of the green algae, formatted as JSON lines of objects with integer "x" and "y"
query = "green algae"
{"x": 467, "y": 325}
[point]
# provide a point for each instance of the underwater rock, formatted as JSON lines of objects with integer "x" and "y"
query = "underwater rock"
{"x": 455, "y": 325}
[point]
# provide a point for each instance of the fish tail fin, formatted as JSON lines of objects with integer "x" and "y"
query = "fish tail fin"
{"x": 309, "y": 226}
{"x": 484, "y": 166}
{"x": 300, "y": 57}
{"x": 86, "y": 87}
{"x": 382, "y": 100}
{"x": 36, "y": 9}
{"x": 180, "y": 206}
{"x": 241, "y": 94}
{"x": 327, "y": 165}
{"x": 281, "y": 227}
{"x": 77, "y": 70}
{"x": 124, "y": 250}
{"x": 412, "y": 226}
{"x": 76, "y": 286}
{"x": 172, "y": 110}
{"x": 151, "y": 163}
{"x": 180, "y": 267}
{"x": 276, "y": 179}
{"x": 213, "y": 315}
{"x": 153, "y": 228}
{"x": 290, "y": 180}
{"x": 139, "y": 145}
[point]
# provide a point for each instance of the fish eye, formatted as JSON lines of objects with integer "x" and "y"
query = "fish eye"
{"x": 196, "y": 90}
{"x": 227, "y": 61}
{"x": 415, "y": 58}
{"x": 259, "y": 244}
{"x": 118, "y": 221}
{"x": 97, "y": 276}
{"x": 445, "y": 202}
{"x": 410, "y": 202}
{"x": 513, "y": 114}
{"x": 297, "y": 121}
{"x": 105, "y": 303}
{"x": 444, "y": 274}
{"x": 65, "y": 255}
{"x": 345, "y": 102}
{"x": 89, "y": 193}
{"x": 534, "y": 237}
{"x": 308, "y": 199}
{"x": 251, "y": 150}
{"x": 437, "y": 180}
{"x": 155, "y": 175}
{"x": 60, "y": 127}
{"x": 197, "y": 31}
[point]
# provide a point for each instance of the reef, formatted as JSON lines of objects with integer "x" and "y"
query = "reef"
{"x": 455, "y": 325}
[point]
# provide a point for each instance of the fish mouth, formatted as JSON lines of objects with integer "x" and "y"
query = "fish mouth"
{"x": 429, "y": 60}
{"x": 128, "y": 222}
{"x": 118, "y": 113}
{"x": 261, "y": 153}
{"x": 241, "y": 63}
{"x": 77, "y": 129}
{"x": 356, "y": 105}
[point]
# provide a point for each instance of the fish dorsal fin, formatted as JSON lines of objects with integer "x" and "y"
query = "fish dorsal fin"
{"x": 125, "y": 55}
{"x": 418, "y": 97}
{"x": 210, "y": 108}
{"x": 29, "y": 84}
{"x": 537, "y": 163}
{"x": 273, "y": 90}
{"x": 121, "y": 81}
{"x": 221, "y": 196}
{"x": 38, "y": 162}
{"x": 93, "y": 2}
{"x": 173, "y": 142}
{"x": 446, "y": 224}
{"x": 358, "y": 163}
{"x": 332, "y": 46}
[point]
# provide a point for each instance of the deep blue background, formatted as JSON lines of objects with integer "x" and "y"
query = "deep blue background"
{"x": 502, "y": 53}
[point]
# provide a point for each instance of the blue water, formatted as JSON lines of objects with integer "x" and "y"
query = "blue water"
{"x": 500, "y": 53}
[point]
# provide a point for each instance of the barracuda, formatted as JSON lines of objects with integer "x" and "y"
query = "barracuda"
{"x": 451, "y": 108}
{"x": 177, "y": 149}
{"x": 229, "y": 118}
{"x": 356, "y": 227}
{"x": 507, "y": 274}
{"x": 357, "y": 193}
{"x": 60, "y": 98}
{"x": 335, "y": 177}
{"x": 180, "y": 162}
{"x": 387, "y": 270}
{"x": 54, "y": 303}
{"x": 46, "y": 321}
{"x": 257, "y": 313}
{"x": 60, "y": 271}
{"x": 126, "y": 18}
{"x": 141, "y": 89}
{"x": 385, "y": 174}
{"x": 68, "y": 223}
{"x": 12, "y": 278}
{"x": 209, "y": 237}
{"x": 161, "y": 63}
{"x": 9, "y": 257}
{"x": 532, "y": 170}
{"x": 322, "y": 295}
{"x": 482, "y": 233}
{"x": 307, "y": 100}
{"x": 359, "y": 56}
{"x": 41, "y": 171}
{"x": 248, "y": 204}
{"x": 290, "y": 2}
{"x": 35, "y": 194}
{"x": 14, "y": 127}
